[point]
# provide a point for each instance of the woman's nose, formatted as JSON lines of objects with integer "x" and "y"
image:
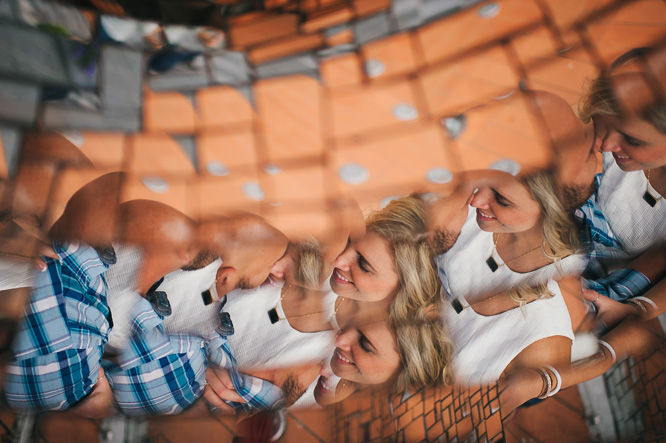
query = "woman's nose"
{"x": 480, "y": 199}
{"x": 611, "y": 142}
{"x": 344, "y": 260}
{"x": 344, "y": 339}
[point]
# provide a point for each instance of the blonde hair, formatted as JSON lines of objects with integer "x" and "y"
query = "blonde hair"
{"x": 425, "y": 352}
{"x": 559, "y": 232}
{"x": 600, "y": 100}
{"x": 309, "y": 263}
{"x": 402, "y": 224}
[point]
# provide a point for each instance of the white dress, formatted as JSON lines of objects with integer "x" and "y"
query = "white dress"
{"x": 469, "y": 276}
{"x": 258, "y": 343}
{"x": 484, "y": 346}
{"x": 634, "y": 223}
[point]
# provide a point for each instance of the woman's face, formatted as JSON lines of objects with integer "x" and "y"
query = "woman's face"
{"x": 635, "y": 143}
{"x": 504, "y": 204}
{"x": 366, "y": 354}
{"x": 365, "y": 270}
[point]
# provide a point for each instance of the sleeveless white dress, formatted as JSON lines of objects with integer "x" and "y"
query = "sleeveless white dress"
{"x": 484, "y": 346}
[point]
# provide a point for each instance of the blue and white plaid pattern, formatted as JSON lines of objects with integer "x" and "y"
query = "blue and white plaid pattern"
{"x": 621, "y": 284}
{"x": 165, "y": 374}
{"x": 156, "y": 374}
{"x": 57, "y": 350}
{"x": 259, "y": 394}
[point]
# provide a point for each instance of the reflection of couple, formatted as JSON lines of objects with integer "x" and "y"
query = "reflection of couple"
{"x": 501, "y": 264}
{"x": 158, "y": 366}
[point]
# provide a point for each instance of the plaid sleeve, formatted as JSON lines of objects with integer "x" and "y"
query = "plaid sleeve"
{"x": 57, "y": 350}
{"x": 157, "y": 374}
{"x": 620, "y": 285}
{"x": 260, "y": 395}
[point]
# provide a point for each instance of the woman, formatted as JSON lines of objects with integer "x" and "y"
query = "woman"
{"x": 517, "y": 240}
{"x": 400, "y": 356}
{"x": 393, "y": 259}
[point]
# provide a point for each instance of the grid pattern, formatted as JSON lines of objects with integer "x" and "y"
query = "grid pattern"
{"x": 432, "y": 414}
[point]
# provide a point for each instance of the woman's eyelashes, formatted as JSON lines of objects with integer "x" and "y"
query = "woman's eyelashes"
{"x": 361, "y": 264}
{"x": 501, "y": 200}
{"x": 364, "y": 343}
{"x": 632, "y": 141}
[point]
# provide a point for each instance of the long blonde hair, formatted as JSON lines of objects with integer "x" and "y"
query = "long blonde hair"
{"x": 402, "y": 224}
{"x": 559, "y": 232}
{"x": 425, "y": 350}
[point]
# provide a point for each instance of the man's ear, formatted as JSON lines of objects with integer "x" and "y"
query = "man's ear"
{"x": 226, "y": 280}
{"x": 187, "y": 253}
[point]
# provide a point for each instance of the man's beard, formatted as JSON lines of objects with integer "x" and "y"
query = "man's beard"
{"x": 442, "y": 241}
{"x": 203, "y": 259}
{"x": 574, "y": 196}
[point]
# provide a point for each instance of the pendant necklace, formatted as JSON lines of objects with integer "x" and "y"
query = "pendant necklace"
{"x": 274, "y": 317}
{"x": 648, "y": 197}
{"x": 492, "y": 263}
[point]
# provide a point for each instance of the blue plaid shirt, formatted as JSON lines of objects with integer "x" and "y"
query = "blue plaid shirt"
{"x": 58, "y": 345}
{"x": 164, "y": 374}
{"x": 604, "y": 250}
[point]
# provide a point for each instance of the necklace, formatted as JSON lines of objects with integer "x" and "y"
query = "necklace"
{"x": 492, "y": 263}
{"x": 648, "y": 197}
{"x": 274, "y": 317}
{"x": 207, "y": 295}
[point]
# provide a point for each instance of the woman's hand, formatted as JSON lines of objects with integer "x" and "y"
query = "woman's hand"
{"x": 221, "y": 388}
{"x": 611, "y": 312}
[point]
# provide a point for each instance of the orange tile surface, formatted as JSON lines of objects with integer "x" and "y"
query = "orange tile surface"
{"x": 467, "y": 29}
{"x": 169, "y": 112}
{"x": 302, "y": 186}
{"x": 369, "y": 107}
{"x": 325, "y": 18}
{"x": 289, "y": 109}
{"x": 342, "y": 70}
{"x": 339, "y": 38}
{"x": 221, "y": 106}
{"x": 217, "y": 195}
{"x": 283, "y": 47}
{"x": 395, "y": 163}
{"x": 395, "y": 53}
{"x": 234, "y": 150}
{"x": 452, "y": 88}
{"x": 105, "y": 150}
{"x": 367, "y": 7}
{"x": 259, "y": 27}
{"x": 563, "y": 74}
{"x": 508, "y": 131}
{"x": 157, "y": 154}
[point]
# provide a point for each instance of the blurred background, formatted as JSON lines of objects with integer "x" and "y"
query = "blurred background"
{"x": 280, "y": 107}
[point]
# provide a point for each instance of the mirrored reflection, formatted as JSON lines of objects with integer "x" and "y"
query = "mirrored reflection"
{"x": 180, "y": 236}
